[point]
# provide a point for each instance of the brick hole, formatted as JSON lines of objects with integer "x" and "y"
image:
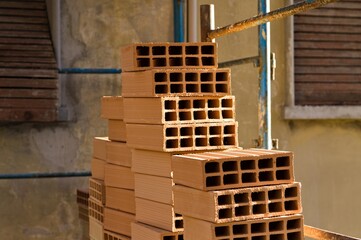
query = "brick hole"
{"x": 159, "y": 89}
{"x": 241, "y": 211}
{"x": 142, "y": 51}
{"x": 212, "y": 167}
{"x": 169, "y": 238}
{"x": 199, "y": 103}
{"x": 227, "y": 114}
{"x": 283, "y": 161}
{"x": 229, "y": 166}
{"x": 171, "y": 132}
{"x": 175, "y": 50}
{"x": 275, "y": 207}
{"x": 214, "y": 115}
{"x": 291, "y": 205}
{"x": 213, "y": 181}
{"x": 229, "y": 141}
{"x": 170, "y": 116}
{"x": 248, "y": 164}
{"x": 258, "y": 196}
{"x": 230, "y": 179}
{"x": 222, "y": 231}
{"x": 186, "y": 131}
{"x": 230, "y": 129}
{"x": 227, "y": 103}
{"x": 143, "y": 62}
{"x": 192, "y": 88}
{"x": 222, "y": 76}
{"x": 199, "y": 115}
{"x": 159, "y": 62}
{"x": 294, "y": 224}
{"x": 265, "y": 163}
{"x": 191, "y": 77}
{"x": 184, "y": 104}
{"x": 175, "y": 77}
{"x": 175, "y": 62}
{"x": 170, "y": 104}
{"x": 208, "y": 61}
{"x": 192, "y": 61}
{"x": 283, "y": 175}
{"x": 185, "y": 116}
{"x": 176, "y": 88}
{"x": 276, "y": 226}
{"x": 275, "y": 194}
{"x": 277, "y": 237}
{"x": 178, "y": 215}
{"x": 224, "y": 199}
{"x": 225, "y": 213}
{"x": 259, "y": 238}
{"x": 206, "y": 77}
{"x": 258, "y": 228}
{"x": 291, "y": 192}
{"x": 201, "y": 131}
{"x": 221, "y": 88}
{"x": 241, "y": 198}
{"x": 158, "y": 50}
{"x": 240, "y": 229}
{"x": 215, "y": 141}
{"x": 249, "y": 178}
{"x": 192, "y": 50}
{"x": 207, "y": 49}
{"x": 180, "y": 237}
{"x": 179, "y": 223}
{"x": 213, "y": 103}
{"x": 207, "y": 88}
{"x": 215, "y": 130}
{"x": 265, "y": 176}
{"x": 294, "y": 236}
{"x": 201, "y": 142}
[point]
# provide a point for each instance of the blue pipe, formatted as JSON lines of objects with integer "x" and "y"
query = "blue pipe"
{"x": 45, "y": 175}
{"x": 90, "y": 70}
{"x": 178, "y": 12}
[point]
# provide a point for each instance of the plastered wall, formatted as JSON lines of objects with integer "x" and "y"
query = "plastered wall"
{"x": 327, "y": 153}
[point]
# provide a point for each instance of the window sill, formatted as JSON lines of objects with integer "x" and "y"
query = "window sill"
{"x": 322, "y": 112}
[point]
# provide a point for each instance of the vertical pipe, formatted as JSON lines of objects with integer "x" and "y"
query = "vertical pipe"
{"x": 192, "y": 21}
{"x": 178, "y": 12}
{"x": 207, "y": 21}
{"x": 264, "y": 98}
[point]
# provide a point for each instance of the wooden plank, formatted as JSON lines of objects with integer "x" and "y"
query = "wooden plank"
{"x": 24, "y": 72}
{"x": 326, "y": 20}
{"x": 19, "y": 19}
{"x": 37, "y": 41}
{"x": 326, "y": 45}
{"x": 22, "y": 12}
{"x": 36, "y": 54}
{"x": 28, "y": 83}
{"x": 27, "y": 103}
{"x": 28, "y": 59}
{"x": 327, "y": 70}
{"x": 328, "y": 37}
{"x": 327, "y": 53}
{"x": 23, "y": 26}
{"x": 306, "y": 61}
{"x": 318, "y": 28}
{"x": 29, "y": 93}
{"x": 329, "y": 78}
{"x": 28, "y": 47}
{"x": 24, "y": 34}
{"x": 332, "y": 12}
{"x": 27, "y": 65}
{"x": 23, "y": 5}
{"x": 26, "y": 114}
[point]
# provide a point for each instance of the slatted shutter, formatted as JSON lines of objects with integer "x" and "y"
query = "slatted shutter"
{"x": 28, "y": 70}
{"x": 327, "y": 54}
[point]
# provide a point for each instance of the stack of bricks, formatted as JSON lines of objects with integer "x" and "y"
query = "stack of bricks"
{"x": 175, "y": 101}
{"x": 238, "y": 194}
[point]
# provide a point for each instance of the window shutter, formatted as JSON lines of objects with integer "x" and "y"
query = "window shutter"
{"x": 327, "y": 55}
{"x": 28, "y": 70}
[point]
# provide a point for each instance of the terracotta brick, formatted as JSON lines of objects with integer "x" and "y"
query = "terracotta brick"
{"x": 277, "y": 228}
{"x": 82, "y": 196}
{"x": 118, "y": 176}
{"x": 112, "y": 107}
{"x": 158, "y": 215}
{"x": 97, "y": 190}
{"x": 99, "y": 147}
{"x": 96, "y": 210}
{"x": 120, "y": 199}
{"x": 142, "y": 231}
{"x": 113, "y": 236}
{"x": 154, "y": 188}
{"x": 233, "y": 168}
{"x": 83, "y": 213}
{"x": 96, "y": 230}
{"x": 152, "y": 163}
{"x": 143, "y": 56}
{"x": 238, "y": 204}
{"x": 119, "y": 153}
{"x": 97, "y": 168}
{"x": 177, "y": 82}
{"x": 177, "y": 110}
{"x": 117, "y": 130}
{"x": 183, "y": 137}
{"x": 118, "y": 221}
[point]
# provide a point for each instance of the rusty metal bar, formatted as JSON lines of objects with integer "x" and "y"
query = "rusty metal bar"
{"x": 320, "y": 234}
{"x": 267, "y": 17}
{"x": 227, "y": 64}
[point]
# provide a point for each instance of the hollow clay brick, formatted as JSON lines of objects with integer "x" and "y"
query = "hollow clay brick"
{"x": 97, "y": 190}
{"x": 82, "y": 196}
{"x": 120, "y": 199}
{"x": 118, "y": 153}
{"x": 183, "y": 137}
{"x": 118, "y": 176}
{"x": 118, "y": 221}
{"x": 238, "y": 204}
{"x": 83, "y": 213}
{"x": 141, "y": 231}
{"x": 152, "y": 163}
{"x": 99, "y": 147}
{"x": 233, "y": 168}
{"x": 142, "y": 56}
{"x": 116, "y": 130}
{"x": 96, "y": 230}
{"x": 112, "y": 107}
{"x": 97, "y": 168}
{"x": 277, "y": 228}
{"x": 177, "y": 82}
{"x": 113, "y": 236}
{"x": 154, "y": 188}
{"x": 177, "y": 110}
{"x": 159, "y": 215}
{"x": 96, "y": 210}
